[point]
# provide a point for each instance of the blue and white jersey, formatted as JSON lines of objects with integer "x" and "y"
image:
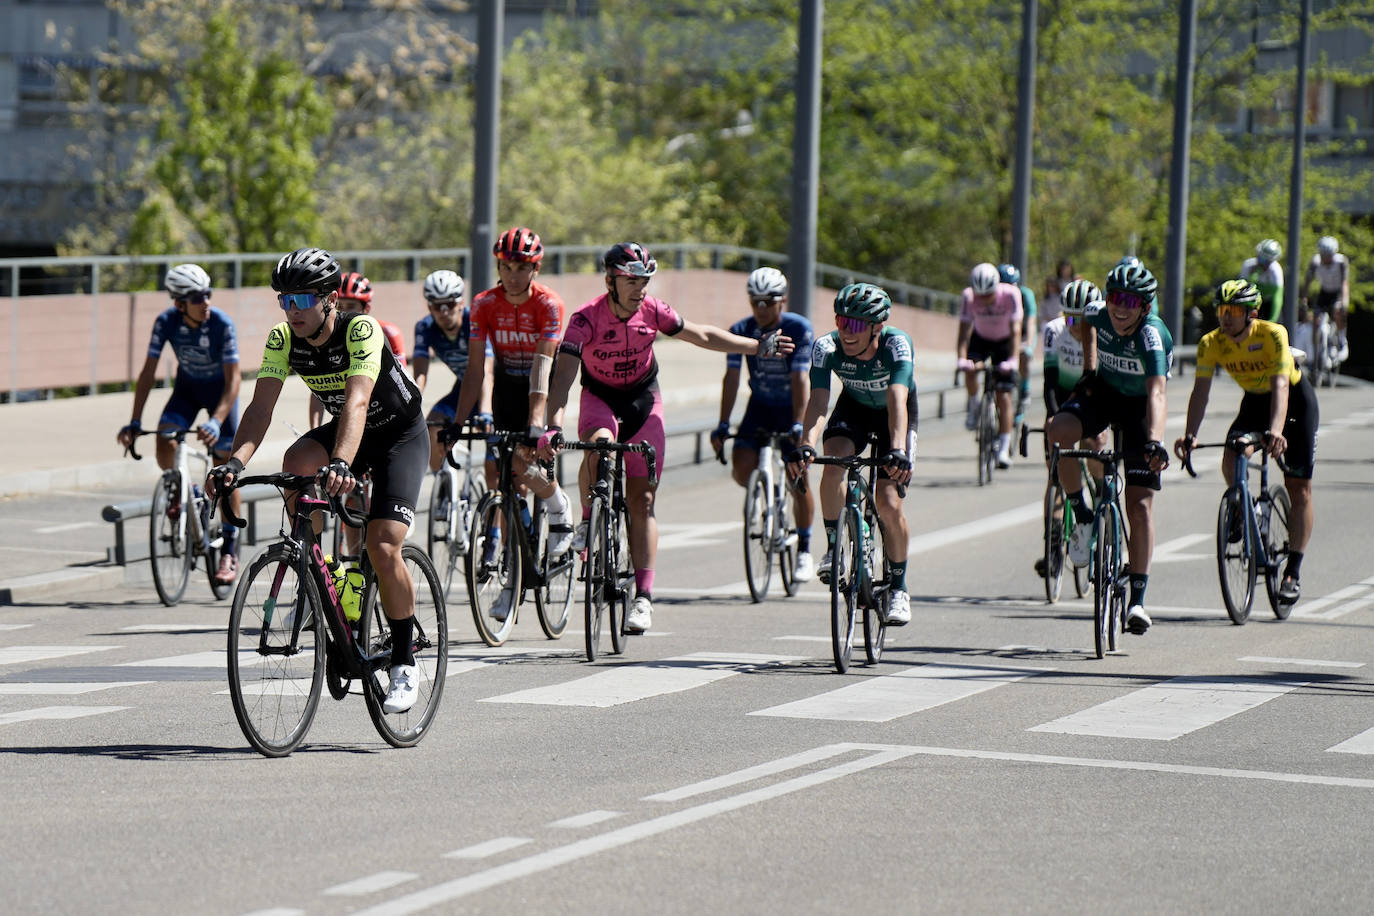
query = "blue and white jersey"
{"x": 201, "y": 352}
{"x": 770, "y": 379}
{"x": 451, "y": 351}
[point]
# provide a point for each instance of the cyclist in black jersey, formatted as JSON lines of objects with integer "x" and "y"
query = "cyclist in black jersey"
{"x": 377, "y": 428}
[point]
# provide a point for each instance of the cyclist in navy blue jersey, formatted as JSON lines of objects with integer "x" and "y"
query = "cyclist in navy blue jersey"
{"x": 443, "y": 335}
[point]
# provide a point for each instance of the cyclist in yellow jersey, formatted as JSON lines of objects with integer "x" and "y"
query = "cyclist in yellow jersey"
{"x": 1277, "y": 400}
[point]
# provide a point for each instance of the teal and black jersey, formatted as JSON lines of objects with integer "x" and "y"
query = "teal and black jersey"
{"x": 1125, "y": 363}
{"x": 866, "y": 381}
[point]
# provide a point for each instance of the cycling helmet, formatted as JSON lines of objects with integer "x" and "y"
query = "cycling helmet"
{"x": 443, "y": 286}
{"x": 1135, "y": 278}
{"x": 354, "y": 285}
{"x": 766, "y": 283}
{"x": 185, "y": 279}
{"x": 1128, "y": 260}
{"x": 1269, "y": 250}
{"x": 519, "y": 244}
{"x": 1076, "y": 296}
{"x": 1328, "y": 245}
{"x": 1009, "y": 274}
{"x": 629, "y": 259}
{"x": 1238, "y": 292}
{"x": 865, "y": 301}
{"x": 306, "y": 270}
{"x": 983, "y": 279}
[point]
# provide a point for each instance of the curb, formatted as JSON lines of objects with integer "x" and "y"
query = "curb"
{"x": 61, "y": 582}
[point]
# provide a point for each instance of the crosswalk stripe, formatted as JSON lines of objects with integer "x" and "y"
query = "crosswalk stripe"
{"x": 1171, "y": 708}
{"x": 1305, "y": 662}
{"x": 370, "y": 884}
{"x": 56, "y": 713}
{"x": 12, "y": 655}
{"x": 882, "y": 699}
{"x": 1363, "y": 743}
{"x": 638, "y": 682}
{"x": 64, "y": 689}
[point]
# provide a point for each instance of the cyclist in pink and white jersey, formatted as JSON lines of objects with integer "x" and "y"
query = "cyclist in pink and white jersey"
{"x": 612, "y": 339}
{"x": 990, "y": 330}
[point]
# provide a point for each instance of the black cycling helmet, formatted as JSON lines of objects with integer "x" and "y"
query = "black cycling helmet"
{"x": 307, "y": 270}
{"x": 629, "y": 259}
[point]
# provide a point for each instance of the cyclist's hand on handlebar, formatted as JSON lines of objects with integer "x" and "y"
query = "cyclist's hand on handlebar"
{"x": 550, "y": 442}
{"x": 898, "y": 466}
{"x": 1157, "y": 455}
{"x": 126, "y": 434}
{"x": 1183, "y": 446}
{"x": 222, "y": 476}
{"x": 799, "y": 459}
{"x": 484, "y": 422}
{"x": 966, "y": 365}
{"x": 1275, "y": 443}
{"x": 336, "y": 478}
{"x": 1008, "y": 366}
{"x": 209, "y": 432}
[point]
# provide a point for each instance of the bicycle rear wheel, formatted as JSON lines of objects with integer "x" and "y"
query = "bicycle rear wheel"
{"x": 845, "y": 572}
{"x": 444, "y": 540}
{"x": 1106, "y": 569}
{"x": 622, "y": 579}
{"x": 1235, "y": 559}
{"x": 596, "y": 575}
{"x": 553, "y": 599}
{"x": 169, "y": 544}
{"x": 987, "y": 439}
{"x": 276, "y": 671}
{"x": 495, "y": 567}
{"x": 758, "y": 535}
{"x": 1274, "y": 524}
{"x": 1054, "y": 545}
{"x": 874, "y": 590}
{"x": 429, "y": 644}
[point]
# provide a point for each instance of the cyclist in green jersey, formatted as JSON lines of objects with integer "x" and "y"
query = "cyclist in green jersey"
{"x": 1266, "y": 273}
{"x": 1010, "y": 273}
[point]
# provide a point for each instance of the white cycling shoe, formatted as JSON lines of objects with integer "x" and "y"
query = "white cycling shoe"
{"x": 1137, "y": 621}
{"x": 1081, "y": 544}
{"x": 805, "y": 570}
{"x": 898, "y": 609}
{"x": 402, "y": 693}
{"x": 641, "y": 616}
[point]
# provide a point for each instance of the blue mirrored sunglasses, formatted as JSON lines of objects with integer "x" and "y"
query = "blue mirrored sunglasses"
{"x": 298, "y": 301}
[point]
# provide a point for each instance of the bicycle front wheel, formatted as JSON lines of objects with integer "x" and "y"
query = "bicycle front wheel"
{"x": 874, "y": 591}
{"x": 1056, "y": 520}
{"x": 1106, "y": 570}
{"x": 987, "y": 439}
{"x": 429, "y": 645}
{"x": 276, "y": 653}
{"x": 758, "y": 536}
{"x": 1277, "y": 510}
{"x": 495, "y": 567}
{"x": 596, "y": 575}
{"x": 622, "y": 580}
{"x": 553, "y": 599}
{"x": 1235, "y": 556}
{"x": 846, "y": 570}
{"x": 169, "y": 546}
{"x": 444, "y": 537}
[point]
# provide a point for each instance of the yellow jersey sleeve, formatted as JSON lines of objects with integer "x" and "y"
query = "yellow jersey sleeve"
{"x": 276, "y": 355}
{"x": 365, "y": 342}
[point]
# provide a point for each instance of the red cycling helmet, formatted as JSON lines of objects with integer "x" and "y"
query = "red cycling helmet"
{"x": 354, "y": 285}
{"x": 519, "y": 244}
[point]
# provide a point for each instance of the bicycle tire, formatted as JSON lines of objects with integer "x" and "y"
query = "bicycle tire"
{"x": 873, "y": 589}
{"x": 1106, "y": 561}
{"x": 429, "y": 644}
{"x": 1235, "y": 561}
{"x": 844, "y": 587}
{"x": 987, "y": 439}
{"x": 169, "y": 546}
{"x": 1054, "y": 542}
{"x": 758, "y": 536}
{"x": 209, "y": 552}
{"x": 442, "y": 528}
{"x": 1279, "y": 509}
{"x": 1116, "y": 624}
{"x": 553, "y": 598}
{"x": 787, "y": 556}
{"x": 489, "y": 577}
{"x": 622, "y": 580}
{"x": 596, "y": 576}
{"x": 275, "y": 695}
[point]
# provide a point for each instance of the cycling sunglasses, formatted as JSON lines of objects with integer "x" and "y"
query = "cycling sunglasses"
{"x": 852, "y": 325}
{"x": 764, "y": 303}
{"x": 1129, "y": 300}
{"x": 298, "y": 301}
{"x": 1232, "y": 310}
{"x": 195, "y": 298}
{"x": 1071, "y": 320}
{"x": 447, "y": 305}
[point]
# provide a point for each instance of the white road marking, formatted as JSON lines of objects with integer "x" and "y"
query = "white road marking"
{"x": 64, "y": 689}
{"x": 1172, "y": 551}
{"x": 1322, "y": 609}
{"x": 11, "y": 655}
{"x": 882, "y": 699}
{"x": 803, "y": 638}
{"x": 638, "y": 682}
{"x": 489, "y": 848}
{"x": 15, "y": 626}
{"x": 1171, "y": 708}
{"x": 1305, "y": 662}
{"x": 56, "y": 713}
{"x": 672, "y": 536}
{"x": 370, "y": 884}
{"x": 277, "y": 911}
{"x": 1363, "y": 743}
{"x": 175, "y": 628}
{"x": 73, "y": 526}
{"x": 749, "y": 774}
{"x": 586, "y": 820}
{"x": 217, "y": 658}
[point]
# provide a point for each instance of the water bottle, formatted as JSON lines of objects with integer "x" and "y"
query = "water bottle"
{"x": 352, "y": 595}
{"x": 336, "y": 572}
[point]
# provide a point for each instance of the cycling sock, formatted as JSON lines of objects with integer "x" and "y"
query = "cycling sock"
{"x": 1003, "y": 441}
{"x": 803, "y": 540}
{"x": 896, "y": 575}
{"x": 1294, "y": 564}
{"x": 401, "y": 633}
{"x": 559, "y": 507}
{"x": 1081, "y": 512}
{"x": 1138, "y": 583}
{"x": 644, "y": 581}
{"x": 231, "y": 540}
{"x": 586, "y": 511}
{"x": 830, "y": 526}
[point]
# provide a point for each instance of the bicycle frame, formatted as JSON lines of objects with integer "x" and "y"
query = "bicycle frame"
{"x": 1109, "y": 537}
{"x": 189, "y": 536}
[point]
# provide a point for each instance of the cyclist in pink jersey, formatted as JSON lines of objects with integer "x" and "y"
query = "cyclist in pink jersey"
{"x": 611, "y": 338}
{"x": 990, "y": 330}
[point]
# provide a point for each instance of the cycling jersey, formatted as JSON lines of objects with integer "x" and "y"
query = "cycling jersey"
{"x": 202, "y": 351}
{"x": 770, "y": 378}
{"x": 1028, "y": 308}
{"x": 1332, "y": 276}
{"x": 1063, "y": 362}
{"x": 354, "y": 348}
{"x": 618, "y": 353}
{"x": 514, "y": 331}
{"x": 867, "y": 381}
{"x": 1269, "y": 280}
{"x": 1125, "y": 363}
{"x": 395, "y": 341}
{"x": 992, "y": 319}
{"x": 1263, "y": 354}
{"x": 430, "y": 338}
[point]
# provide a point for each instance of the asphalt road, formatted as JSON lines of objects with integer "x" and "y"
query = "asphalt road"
{"x": 990, "y": 763}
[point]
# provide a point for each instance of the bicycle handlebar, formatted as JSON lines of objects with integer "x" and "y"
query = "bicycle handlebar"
{"x": 1238, "y": 442}
{"x": 178, "y": 434}
{"x": 605, "y": 445}
{"x": 285, "y": 481}
{"x": 854, "y": 462}
{"x": 449, "y": 436}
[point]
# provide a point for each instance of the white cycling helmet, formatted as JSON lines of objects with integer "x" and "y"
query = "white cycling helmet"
{"x": 443, "y": 286}
{"x": 185, "y": 279}
{"x": 984, "y": 278}
{"x": 1328, "y": 245}
{"x": 1269, "y": 250}
{"x": 1077, "y": 296}
{"x": 766, "y": 283}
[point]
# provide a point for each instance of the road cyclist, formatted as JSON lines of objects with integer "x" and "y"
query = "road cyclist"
{"x": 874, "y": 363}
{"x": 1011, "y": 274}
{"x": 778, "y": 391}
{"x": 377, "y": 428}
{"x": 1331, "y": 270}
{"x": 206, "y": 346}
{"x": 990, "y": 319}
{"x": 1278, "y": 399}
{"x": 355, "y": 295}
{"x": 1265, "y": 271}
{"x": 611, "y": 339}
{"x": 1126, "y": 359}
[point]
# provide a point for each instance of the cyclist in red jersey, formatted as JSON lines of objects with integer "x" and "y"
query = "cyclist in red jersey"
{"x": 611, "y": 339}
{"x": 355, "y": 295}
{"x": 522, "y": 321}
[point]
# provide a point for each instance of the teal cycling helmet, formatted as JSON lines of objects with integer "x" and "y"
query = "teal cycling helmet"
{"x": 865, "y": 301}
{"x": 1135, "y": 279}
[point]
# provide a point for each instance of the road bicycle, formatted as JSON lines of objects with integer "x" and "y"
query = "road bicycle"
{"x": 280, "y": 656}
{"x": 177, "y": 537}
{"x": 770, "y": 529}
{"x": 458, "y": 485}
{"x": 854, "y": 580}
{"x": 985, "y": 426}
{"x": 1326, "y": 347}
{"x": 518, "y": 560}
{"x": 607, "y": 572}
{"x": 1252, "y": 529}
{"x": 1058, "y": 520}
{"x": 1107, "y": 570}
